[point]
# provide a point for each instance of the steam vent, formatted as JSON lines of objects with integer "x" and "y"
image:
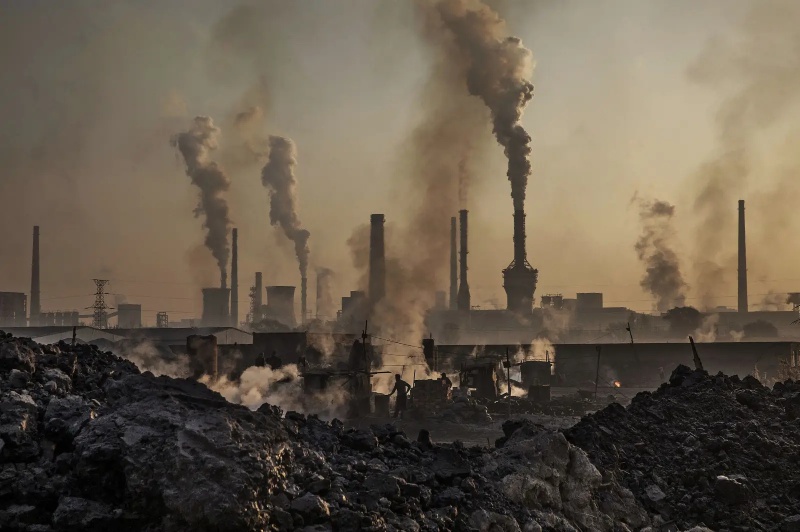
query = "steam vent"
{"x": 519, "y": 279}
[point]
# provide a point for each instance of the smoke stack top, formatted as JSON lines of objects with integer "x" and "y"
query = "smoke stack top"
{"x": 498, "y": 71}
{"x": 196, "y": 146}
{"x": 278, "y": 177}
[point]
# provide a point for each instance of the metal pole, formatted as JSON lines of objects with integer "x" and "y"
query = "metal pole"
{"x": 508, "y": 379}
{"x": 597, "y": 373}
{"x": 633, "y": 345}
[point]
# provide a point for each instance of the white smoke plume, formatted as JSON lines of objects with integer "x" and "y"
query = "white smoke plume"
{"x": 655, "y": 249}
{"x": 148, "y": 357}
{"x": 278, "y": 177}
{"x": 280, "y": 387}
{"x": 708, "y": 329}
{"x": 196, "y": 146}
{"x": 498, "y": 72}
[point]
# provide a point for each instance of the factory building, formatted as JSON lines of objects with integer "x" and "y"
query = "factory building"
{"x": 13, "y": 309}
{"x": 129, "y": 316}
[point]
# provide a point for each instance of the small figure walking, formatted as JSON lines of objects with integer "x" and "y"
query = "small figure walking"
{"x": 401, "y": 387}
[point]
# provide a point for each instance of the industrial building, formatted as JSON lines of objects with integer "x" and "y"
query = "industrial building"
{"x": 13, "y": 309}
{"x": 129, "y": 316}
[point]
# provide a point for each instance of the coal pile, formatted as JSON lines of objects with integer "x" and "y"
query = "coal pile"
{"x": 714, "y": 450}
{"x": 87, "y": 442}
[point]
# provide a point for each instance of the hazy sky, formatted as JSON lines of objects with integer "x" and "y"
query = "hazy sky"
{"x": 92, "y": 92}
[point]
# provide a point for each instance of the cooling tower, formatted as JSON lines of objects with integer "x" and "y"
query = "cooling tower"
{"x": 216, "y": 307}
{"x": 280, "y": 304}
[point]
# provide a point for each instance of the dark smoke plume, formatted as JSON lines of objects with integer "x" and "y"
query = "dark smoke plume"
{"x": 196, "y": 145}
{"x": 662, "y": 276}
{"x": 498, "y": 72}
{"x": 278, "y": 177}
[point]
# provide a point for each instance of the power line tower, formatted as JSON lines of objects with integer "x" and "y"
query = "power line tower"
{"x": 99, "y": 317}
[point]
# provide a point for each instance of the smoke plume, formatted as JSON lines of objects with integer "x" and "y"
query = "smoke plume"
{"x": 763, "y": 66}
{"x": 278, "y": 177}
{"x": 662, "y": 278}
{"x": 498, "y": 71}
{"x": 326, "y": 305}
{"x": 195, "y": 146}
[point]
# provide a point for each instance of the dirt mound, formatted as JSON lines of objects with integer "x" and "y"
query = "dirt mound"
{"x": 89, "y": 443}
{"x": 714, "y": 450}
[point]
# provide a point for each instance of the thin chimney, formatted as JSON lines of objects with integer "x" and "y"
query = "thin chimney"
{"x": 742, "y": 261}
{"x": 258, "y": 300}
{"x": 453, "y": 265}
{"x": 235, "y": 277}
{"x": 303, "y": 299}
{"x": 36, "y": 307}
{"x": 463, "y": 288}
{"x": 377, "y": 260}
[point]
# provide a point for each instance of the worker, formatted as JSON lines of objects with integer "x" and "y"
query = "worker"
{"x": 274, "y": 361}
{"x": 401, "y": 387}
{"x": 261, "y": 361}
{"x": 446, "y": 383}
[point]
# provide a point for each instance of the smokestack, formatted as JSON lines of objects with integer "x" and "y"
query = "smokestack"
{"x": 36, "y": 308}
{"x": 235, "y": 277}
{"x": 463, "y": 287}
{"x": 303, "y": 296}
{"x": 519, "y": 279}
{"x": 453, "y": 265}
{"x": 742, "y": 261}
{"x": 377, "y": 260}
{"x": 257, "y": 298}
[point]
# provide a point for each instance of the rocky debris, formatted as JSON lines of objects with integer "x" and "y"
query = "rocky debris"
{"x": 717, "y": 451}
{"x": 463, "y": 409}
{"x": 99, "y": 446}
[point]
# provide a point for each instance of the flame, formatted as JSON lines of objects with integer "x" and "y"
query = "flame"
{"x": 617, "y": 384}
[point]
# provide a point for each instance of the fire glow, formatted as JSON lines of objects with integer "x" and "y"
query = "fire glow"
{"x": 617, "y": 384}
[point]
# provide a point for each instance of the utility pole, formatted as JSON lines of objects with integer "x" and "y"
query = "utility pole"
{"x": 99, "y": 307}
{"x": 508, "y": 380}
{"x": 633, "y": 345}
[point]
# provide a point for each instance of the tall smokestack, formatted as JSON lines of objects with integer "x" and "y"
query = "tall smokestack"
{"x": 377, "y": 260}
{"x": 235, "y": 277}
{"x": 742, "y": 261}
{"x": 303, "y": 298}
{"x": 463, "y": 287}
{"x": 519, "y": 279}
{"x": 36, "y": 308}
{"x": 453, "y": 265}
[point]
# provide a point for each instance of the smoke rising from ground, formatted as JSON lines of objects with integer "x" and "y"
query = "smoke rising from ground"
{"x": 195, "y": 146}
{"x": 278, "y": 177}
{"x": 762, "y": 64}
{"x": 498, "y": 71}
{"x": 326, "y": 302}
{"x": 655, "y": 248}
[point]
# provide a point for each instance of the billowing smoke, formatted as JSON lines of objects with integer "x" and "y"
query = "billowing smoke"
{"x": 195, "y": 146}
{"x": 759, "y": 72}
{"x": 499, "y": 68}
{"x": 326, "y": 305}
{"x": 280, "y": 387}
{"x": 278, "y": 177}
{"x": 662, "y": 277}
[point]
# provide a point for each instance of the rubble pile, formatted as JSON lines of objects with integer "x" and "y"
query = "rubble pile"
{"x": 714, "y": 450}
{"x": 463, "y": 409}
{"x": 89, "y": 443}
